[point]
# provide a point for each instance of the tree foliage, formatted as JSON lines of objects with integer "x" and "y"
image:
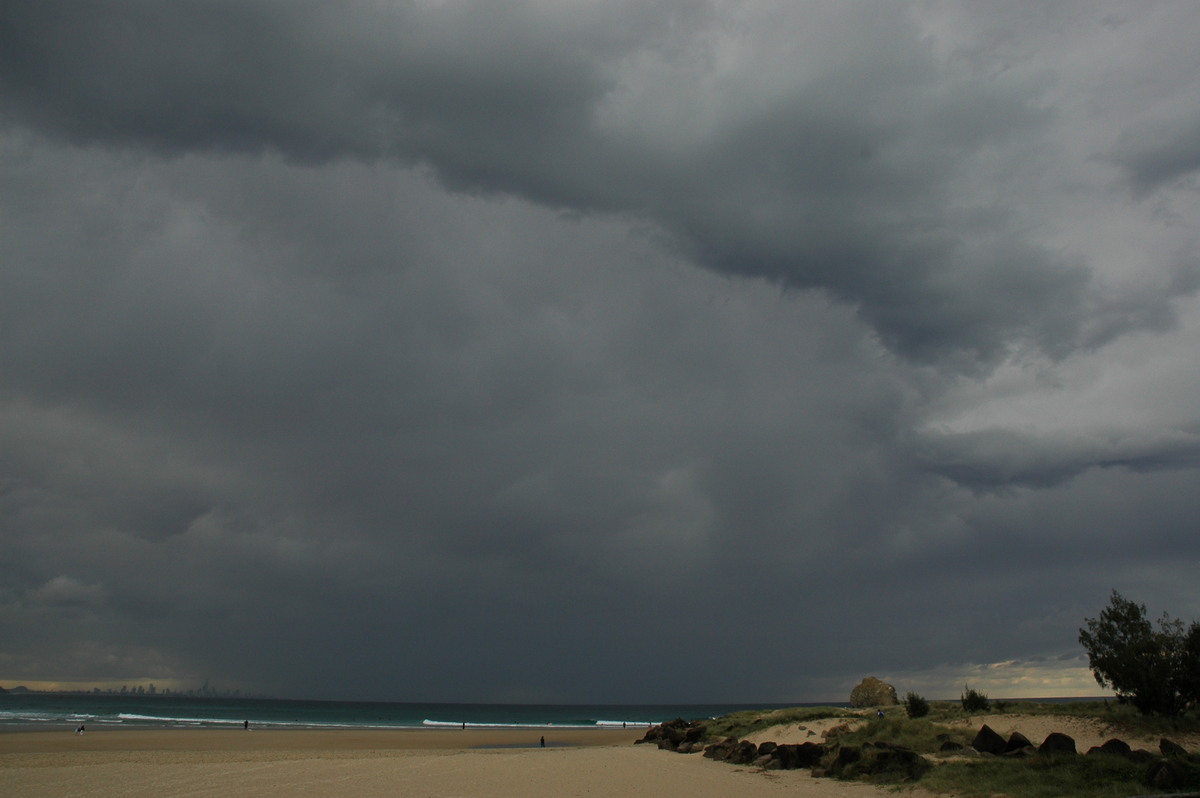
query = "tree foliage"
{"x": 974, "y": 701}
{"x": 1155, "y": 669}
{"x": 916, "y": 706}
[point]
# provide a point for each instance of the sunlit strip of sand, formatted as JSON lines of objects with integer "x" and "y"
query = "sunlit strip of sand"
{"x": 496, "y": 763}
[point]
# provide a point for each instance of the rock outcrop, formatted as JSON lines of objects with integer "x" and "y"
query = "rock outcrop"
{"x": 793, "y": 756}
{"x": 873, "y": 760}
{"x": 1057, "y": 743}
{"x": 733, "y": 751}
{"x": 677, "y": 735}
{"x": 767, "y": 755}
{"x": 1018, "y": 745}
{"x": 872, "y": 692}
{"x": 988, "y": 741}
{"x": 1115, "y": 747}
{"x": 948, "y": 744}
{"x": 1167, "y": 775}
{"x": 1171, "y": 749}
{"x": 1176, "y": 770}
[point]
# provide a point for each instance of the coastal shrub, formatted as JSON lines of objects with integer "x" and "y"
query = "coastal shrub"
{"x": 1155, "y": 669}
{"x": 974, "y": 701}
{"x": 915, "y": 706}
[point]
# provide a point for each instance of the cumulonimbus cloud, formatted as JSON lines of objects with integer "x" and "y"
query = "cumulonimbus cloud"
{"x": 754, "y": 142}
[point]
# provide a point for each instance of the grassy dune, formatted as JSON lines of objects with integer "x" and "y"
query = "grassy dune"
{"x": 967, "y": 774}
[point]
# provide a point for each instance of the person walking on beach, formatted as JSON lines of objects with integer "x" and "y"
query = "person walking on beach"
{"x": 543, "y": 741}
{"x": 246, "y": 725}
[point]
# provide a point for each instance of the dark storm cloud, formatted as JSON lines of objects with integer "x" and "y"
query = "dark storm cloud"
{"x": 361, "y": 352}
{"x": 1159, "y": 154}
{"x": 477, "y": 87}
{"x": 211, "y": 423}
{"x": 802, "y": 161}
{"x": 1004, "y": 459}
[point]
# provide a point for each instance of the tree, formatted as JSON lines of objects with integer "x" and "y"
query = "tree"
{"x": 1156, "y": 670}
{"x": 1190, "y": 668}
{"x": 916, "y": 706}
{"x": 974, "y": 701}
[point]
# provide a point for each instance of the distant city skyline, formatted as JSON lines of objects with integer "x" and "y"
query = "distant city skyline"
{"x": 128, "y": 687}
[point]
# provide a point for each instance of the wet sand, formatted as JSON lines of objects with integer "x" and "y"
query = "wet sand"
{"x": 303, "y": 740}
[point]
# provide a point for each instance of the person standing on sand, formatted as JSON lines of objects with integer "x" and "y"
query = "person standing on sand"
{"x": 543, "y": 742}
{"x": 246, "y": 725}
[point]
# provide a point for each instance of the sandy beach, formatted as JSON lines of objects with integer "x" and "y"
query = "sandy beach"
{"x": 483, "y": 763}
{"x": 495, "y": 764}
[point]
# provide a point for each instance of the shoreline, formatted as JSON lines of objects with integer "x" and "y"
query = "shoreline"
{"x": 30, "y": 741}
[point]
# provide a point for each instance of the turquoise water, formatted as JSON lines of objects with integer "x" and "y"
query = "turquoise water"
{"x": 53, "y": 710}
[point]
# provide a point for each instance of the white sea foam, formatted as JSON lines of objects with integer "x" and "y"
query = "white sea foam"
{"x": 178, "y": 721}
{"x": 458, "y": 724}
{"x": 606, "y": 724}
{"x": 20, "y": 716}
{"x": 34, "y": 716}
{"x": 185, "y": 721}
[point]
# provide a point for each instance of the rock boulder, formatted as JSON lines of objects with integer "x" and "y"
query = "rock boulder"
{"x": 1017, "y": 742}
{"x": 987, "y": 741}
{"x": 676, "y": 735}
{"x": 1170, "y": 748}
{"x": 872, "y": 692}
{"x": 1057, "y": 743}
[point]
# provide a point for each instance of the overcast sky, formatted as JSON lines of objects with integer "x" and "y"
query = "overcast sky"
{"x": 605, "y": 351}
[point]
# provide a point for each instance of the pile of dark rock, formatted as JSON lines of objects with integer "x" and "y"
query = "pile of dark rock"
{"x": 878, "y": 759}
{"x": 830, "y": 759}
{"x": 1172, "y": 768}
{"x": 989, "y": 741}
{"x": 679, "y": 735}
{"x": 767, "y": 755}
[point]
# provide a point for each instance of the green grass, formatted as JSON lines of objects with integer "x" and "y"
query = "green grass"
{"x": 919, "y": 734}
{"x": 1122, "y": 717}
{"x": 1126, "y": 718}
{"x": 740, "y": 724}
{"x": 1039, "y": 777}
{"x": 1034, "y": 777}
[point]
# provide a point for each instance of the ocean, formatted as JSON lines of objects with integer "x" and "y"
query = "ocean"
{"x": 100, "y": 711}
